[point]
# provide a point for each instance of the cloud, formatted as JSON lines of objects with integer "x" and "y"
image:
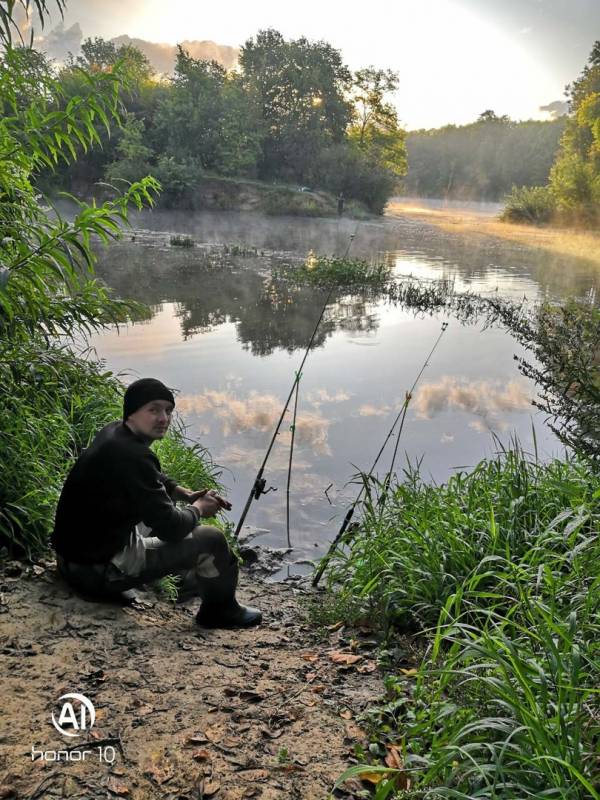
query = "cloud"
{"x": 319, "y": 396}
{"x": 487, "y": 399}
{"x": 556, "y": 109}
{"x": 60, "y": 41}
{"x": 369, "y": 410}
{"x": 162, "y": 56}
{"x": 258, "y": 412}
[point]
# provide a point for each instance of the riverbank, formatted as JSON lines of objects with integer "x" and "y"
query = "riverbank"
{"x": 185, "y": 712}
{"x": 559, "y": 241}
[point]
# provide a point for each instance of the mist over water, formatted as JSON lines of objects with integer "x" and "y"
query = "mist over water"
{"x": 229, "y": 339}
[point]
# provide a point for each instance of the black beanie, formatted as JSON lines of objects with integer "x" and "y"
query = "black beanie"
{"x": 144, "y": 391}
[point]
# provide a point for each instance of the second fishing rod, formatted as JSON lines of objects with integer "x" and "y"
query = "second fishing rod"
{"x": 258, "y": 487}
{"x": 401, "y": 416}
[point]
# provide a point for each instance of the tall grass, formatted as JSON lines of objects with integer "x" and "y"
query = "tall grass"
{"x": 500, "y": 568}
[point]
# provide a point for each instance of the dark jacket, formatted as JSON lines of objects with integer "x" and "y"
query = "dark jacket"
{"x": 112, "y": 486}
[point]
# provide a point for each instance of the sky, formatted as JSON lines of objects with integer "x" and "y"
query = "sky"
{"x": 455, "y": 58}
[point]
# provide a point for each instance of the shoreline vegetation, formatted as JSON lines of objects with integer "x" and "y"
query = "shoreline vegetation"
{"x": 571, "y": 241}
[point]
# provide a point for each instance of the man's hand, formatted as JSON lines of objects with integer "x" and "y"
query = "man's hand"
{"x": 208, "y": 502}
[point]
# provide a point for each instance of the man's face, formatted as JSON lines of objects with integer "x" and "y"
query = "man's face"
{"x": 151, "y": 420}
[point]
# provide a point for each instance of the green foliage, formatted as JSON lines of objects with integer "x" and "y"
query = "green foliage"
{"x": 134, "y": 154}
{"x": 299, "y": 89}
{"x": 575, "y": 176}
{"x": 501, "y": 565}
{"x": 46, "y": 261}
{"x": 345, "y": 168}
{"x": 565, "y": 344}
{"x": 181, "y": 241}
{"x": 339, "y": 272}
{"x": 51, "y": 405}
{"x": 376, "y": 130}
{"x": 529, "y": 204}
{"x": 50, "y": 401}
{"x": 207, "y": 118}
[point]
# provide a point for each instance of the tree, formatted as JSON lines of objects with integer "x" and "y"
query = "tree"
{"x": 375, "y": 129}
{"x": 134, "y": 160}
{"x": 206, "y": 119}
{"x": 299, "y": 88}
{"x": 575, "y": 176}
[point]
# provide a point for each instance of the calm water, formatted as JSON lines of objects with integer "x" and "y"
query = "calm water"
{"x": 230, "y": 345}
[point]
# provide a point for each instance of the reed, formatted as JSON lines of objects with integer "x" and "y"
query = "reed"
{"x": 497, "y": 572}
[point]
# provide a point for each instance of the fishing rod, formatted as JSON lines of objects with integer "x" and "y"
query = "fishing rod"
{"x": 400, "y": 416}
{"x": 258, "y": 487}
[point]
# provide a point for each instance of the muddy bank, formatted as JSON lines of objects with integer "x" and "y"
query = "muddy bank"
{"x": 184, "y": 712}
{"x": 559, "y": 241}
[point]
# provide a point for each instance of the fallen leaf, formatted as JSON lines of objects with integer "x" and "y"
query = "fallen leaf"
{"x": 309, "y": 656}
{"x": 200, "y": 755}
{"x": 409, "y": 672}
{"x": 338, "y": 657}
{"x": 369, "y": 666}
{"x": 272, "y": 733}
{"x": 116, "y": 786}
{"x": 393, "y": 758}
{"x": 210, "y": 788}
{"x": 244, "y": 694}
{"x": 310, "y": 676}
{"x": 335, "y": 626}
{"x": 354, "y": 732}
{"x": 160, "y": 774}
{"x": 320, "y": 687}
{"x": 346, "y": 714}
{"x": 372, "y": 777}
{"x": 197, "y": 738}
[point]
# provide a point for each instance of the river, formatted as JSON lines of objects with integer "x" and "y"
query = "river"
{"x": 229, "y": 343}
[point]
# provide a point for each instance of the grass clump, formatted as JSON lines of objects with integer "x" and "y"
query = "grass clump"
{"x": 529, "y": 204}
{"x": 500, "y": 568}
{"x": 323, "y": 271}
{"x": 179, "y": 240}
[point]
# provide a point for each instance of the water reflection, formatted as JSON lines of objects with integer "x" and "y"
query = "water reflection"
{"x": 487, "y": 399}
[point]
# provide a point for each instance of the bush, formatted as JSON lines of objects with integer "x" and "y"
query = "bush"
{"x": 344, "y": 168}
{"x": 534, "y": 204}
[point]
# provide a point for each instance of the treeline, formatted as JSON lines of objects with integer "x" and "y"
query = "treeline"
{"x": 292, "y": 113}
{"x": 572, "y": 193}
{"x": 482, "y": 160}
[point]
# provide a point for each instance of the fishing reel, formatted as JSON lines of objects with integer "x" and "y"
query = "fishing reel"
{"x": 259, "y": 488}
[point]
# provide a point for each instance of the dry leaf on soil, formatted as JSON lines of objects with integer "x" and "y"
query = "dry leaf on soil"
{"x": 116, "y": 786}
{"x": 338, "y": 657}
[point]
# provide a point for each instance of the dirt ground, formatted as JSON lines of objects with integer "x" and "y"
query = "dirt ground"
{"x": 561, "y": 241}
{"x": 185, "y": 712}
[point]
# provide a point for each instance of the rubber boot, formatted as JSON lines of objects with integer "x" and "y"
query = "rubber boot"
{"x": 219, "y": 607}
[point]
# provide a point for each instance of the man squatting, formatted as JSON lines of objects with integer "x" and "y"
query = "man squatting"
{"x": 117, "y": 525}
